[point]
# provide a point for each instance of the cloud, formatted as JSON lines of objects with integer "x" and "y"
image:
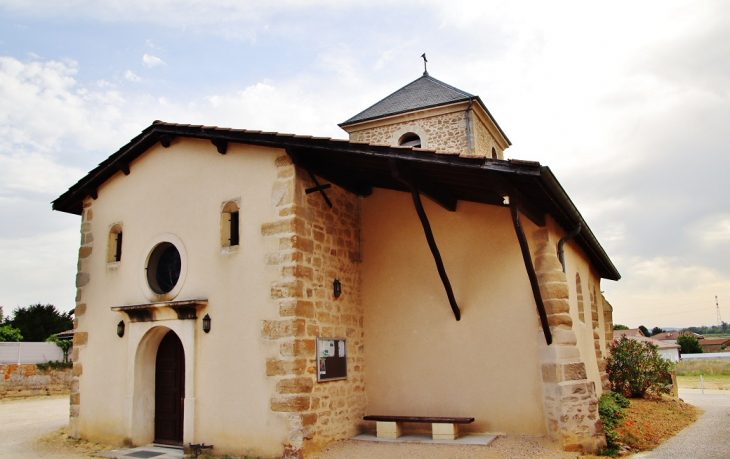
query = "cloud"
{"x": 131, "y": 76}
{"x": 152, "y": 61}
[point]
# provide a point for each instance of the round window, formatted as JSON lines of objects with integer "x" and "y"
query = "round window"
{"x": 163, "y": 268}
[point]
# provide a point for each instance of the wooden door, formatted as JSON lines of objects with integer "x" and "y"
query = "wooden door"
{"x": 169, "y": 390}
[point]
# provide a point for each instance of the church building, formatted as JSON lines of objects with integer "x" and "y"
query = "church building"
{"x": 263, "y": 292}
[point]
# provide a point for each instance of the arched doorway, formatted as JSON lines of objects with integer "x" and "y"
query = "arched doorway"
{"x": 169, "y": 390}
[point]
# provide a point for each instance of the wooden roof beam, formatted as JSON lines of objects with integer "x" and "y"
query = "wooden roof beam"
{"x": 397, "y": 171}
{"x": 528, "y": 209}
{"x": 220, "y": 145}
{"x": 403, "y": 173}
{"x": 353, "y": 186}
{"x": 527, "y": 258}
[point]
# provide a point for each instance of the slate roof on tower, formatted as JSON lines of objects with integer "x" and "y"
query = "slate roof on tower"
{"x": 425, "y": 92}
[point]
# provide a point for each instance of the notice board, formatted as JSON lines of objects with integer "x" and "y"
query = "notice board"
{"x": 331, "y": 359}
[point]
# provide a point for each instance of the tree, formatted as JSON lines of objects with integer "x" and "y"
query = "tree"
{"x": 8, "y": 334}
{"x": 64, "y": 344}
{"x": 635, "y": 367}
{"x": 644, "y": 330}
{"x": 689, "y": 344}
{"x": 656, "y": 331}
{"x": 39, "y": 321}
{"x": 620, "y": 327}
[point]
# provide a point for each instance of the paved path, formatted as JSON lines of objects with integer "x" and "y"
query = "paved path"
{"x": 23, "y": 421}
{"x": 708, "y": 438}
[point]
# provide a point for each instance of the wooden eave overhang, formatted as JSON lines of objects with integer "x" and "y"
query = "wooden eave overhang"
{"x": 359, "y": 167}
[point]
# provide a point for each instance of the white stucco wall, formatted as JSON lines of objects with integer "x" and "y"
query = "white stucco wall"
{"x": 179, "y": 191}
{"x": 670, "y": 354}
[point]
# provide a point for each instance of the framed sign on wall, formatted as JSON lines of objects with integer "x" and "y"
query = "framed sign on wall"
{"x": 331, "y": 359}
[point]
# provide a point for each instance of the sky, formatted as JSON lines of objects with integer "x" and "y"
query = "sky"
{"x": 627, "y": 102}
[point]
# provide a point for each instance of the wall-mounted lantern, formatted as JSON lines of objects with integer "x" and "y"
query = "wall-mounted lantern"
{"x": 206, "y": 323}
{"x": 120, "y": 328}
{"x": 337, "y": 288}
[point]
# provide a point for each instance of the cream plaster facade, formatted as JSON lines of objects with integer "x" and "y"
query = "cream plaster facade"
{"x": 251, "y": 383}
{"x": 163, "y": 199}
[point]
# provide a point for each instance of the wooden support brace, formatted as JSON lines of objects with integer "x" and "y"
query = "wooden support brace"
{"x": 220, "y": 145}
{"x": 165, "y": 140}
{"x": 124, "y": 167}
{"x": 319, "y": 188}
{"x": 429, "y": 237}
{"x": 527, "y": 258}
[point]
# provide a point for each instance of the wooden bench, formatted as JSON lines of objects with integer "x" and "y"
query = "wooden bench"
{"x": 441, "y": 428}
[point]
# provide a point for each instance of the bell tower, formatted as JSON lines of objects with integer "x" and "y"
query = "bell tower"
{"x": 432, "y": 115}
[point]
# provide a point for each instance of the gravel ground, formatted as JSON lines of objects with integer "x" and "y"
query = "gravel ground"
{"x": 35, "y": 428}
{"x": 708, "y": 438}
{"x": 23, "y": 421}
{"x": 513, "y": 447}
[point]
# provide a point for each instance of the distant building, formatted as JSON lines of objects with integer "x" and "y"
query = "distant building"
{"x": 671, "y": 337}
{"x": 714, "y": 345}
{"x": 666, "y": 349}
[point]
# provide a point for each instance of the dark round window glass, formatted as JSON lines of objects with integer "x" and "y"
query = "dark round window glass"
{"x": 163, "y": 269}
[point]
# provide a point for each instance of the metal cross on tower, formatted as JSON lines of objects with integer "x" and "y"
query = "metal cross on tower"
{"x": 425, "y": 71}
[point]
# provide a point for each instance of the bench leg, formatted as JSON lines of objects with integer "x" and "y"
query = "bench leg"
{"x": 441, "y": 431}
{"x": 389, "y": 429}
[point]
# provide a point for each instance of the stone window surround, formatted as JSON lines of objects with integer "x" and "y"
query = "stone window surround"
{"x": 143, "y": 282}
{"x": 114, "y": 230}
{"x": 410, "y": 129}
{"x": 227, "y": 207}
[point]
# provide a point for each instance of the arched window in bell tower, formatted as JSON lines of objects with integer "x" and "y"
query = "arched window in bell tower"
{"x": 410, "y": 139}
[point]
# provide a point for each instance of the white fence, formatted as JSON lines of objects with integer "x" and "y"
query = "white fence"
{"x": 709, "y": 355}
{"x": 26, "y": 353}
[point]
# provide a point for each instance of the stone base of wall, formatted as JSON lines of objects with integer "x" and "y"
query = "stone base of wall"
{"x": 28, "y": 381}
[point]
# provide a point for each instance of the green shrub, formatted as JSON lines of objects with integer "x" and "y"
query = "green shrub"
{"x": 689, "y": 345}
{"x": 53, "y": 365}
{"x": 635, "y": 367}
{"x": 610, "y": 408}
{"x": 64, "y": 344}
{"x": 10, "y": 334}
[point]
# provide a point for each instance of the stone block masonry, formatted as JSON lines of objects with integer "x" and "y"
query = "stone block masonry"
{"x": 316, "y": 245}
{"x": 569, "y": 398}
{"x": 83, "y": 277}
{"x": 28, "y": 381}
{"x": 442, "y": 132}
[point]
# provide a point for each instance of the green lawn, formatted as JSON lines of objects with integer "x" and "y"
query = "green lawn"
{"x": 715, "y": 373}
{"x": 710, "y": 382}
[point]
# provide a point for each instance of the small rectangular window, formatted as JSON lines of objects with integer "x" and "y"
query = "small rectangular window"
{"x": 234, "y": 228}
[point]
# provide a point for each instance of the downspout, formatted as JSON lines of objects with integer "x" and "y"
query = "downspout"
{"x": 563, "y": 240}
{"x": 468, "y": 131}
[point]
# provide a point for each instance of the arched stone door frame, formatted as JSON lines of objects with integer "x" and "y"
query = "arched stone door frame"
{"x": 139, "y": 406}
